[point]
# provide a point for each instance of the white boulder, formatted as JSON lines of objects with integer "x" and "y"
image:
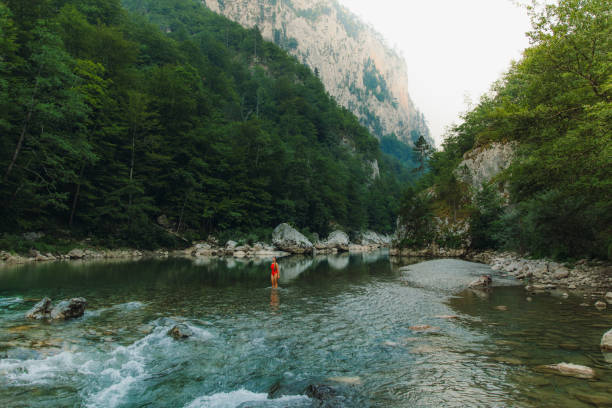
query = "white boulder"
{"x": 288, "y": 239}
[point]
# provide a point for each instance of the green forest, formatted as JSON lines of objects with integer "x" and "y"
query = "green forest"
{"x": 555, "y": 104}
{"x": 112, "y": 115}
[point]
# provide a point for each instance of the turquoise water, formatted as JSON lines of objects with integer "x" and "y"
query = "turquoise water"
{"x": 339, "y": 321}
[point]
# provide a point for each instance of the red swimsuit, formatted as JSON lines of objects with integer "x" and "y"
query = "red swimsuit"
{"x": 274, "y": 269}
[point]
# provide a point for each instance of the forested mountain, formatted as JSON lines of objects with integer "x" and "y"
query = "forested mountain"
{"x": 110, "y": 119}
{"x": 553, "y": 110}
{"x": 354, "y": 62}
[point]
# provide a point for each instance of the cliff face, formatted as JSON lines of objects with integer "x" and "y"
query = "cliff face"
{"x": 352, "y": 60}
{"x": 482, "y": 164}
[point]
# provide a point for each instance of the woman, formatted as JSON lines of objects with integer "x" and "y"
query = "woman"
{"x": 274, "y": 273}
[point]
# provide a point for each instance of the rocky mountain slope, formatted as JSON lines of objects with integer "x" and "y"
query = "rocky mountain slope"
{"x": 356, "y": 65}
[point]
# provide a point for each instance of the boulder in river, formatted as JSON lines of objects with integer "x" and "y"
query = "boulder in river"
{"x": 287, "y": 238}
{"x": 483, "y": 281}
{"x": 41, "y": 310}
{"x": 69, "y": 309}
{"x": 180, "y": 331}
{"x": 606, "y": 341}
{"x": 569, "y": 370}
{"x": 76, "y": 254}
{"x": 338, "y": 240}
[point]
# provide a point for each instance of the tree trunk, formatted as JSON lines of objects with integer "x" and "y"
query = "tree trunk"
{"x": 76, "y": 196}
{"x": 178, "y": 228}
{"x": 132, "y": 165}
{"x": 19, "y": 145}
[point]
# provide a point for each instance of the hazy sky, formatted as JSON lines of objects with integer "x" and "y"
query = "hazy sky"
{"x": 454, "y": 48}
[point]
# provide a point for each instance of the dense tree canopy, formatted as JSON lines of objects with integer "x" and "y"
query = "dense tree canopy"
{"x": 556, "y": 104}
{"x": 112, "y": 118}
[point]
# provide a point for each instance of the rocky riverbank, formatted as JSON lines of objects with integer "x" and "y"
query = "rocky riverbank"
{"x": 538, "y": 275}
{"x": 286, "y": 241}
{"x": 541, "y": 275}
{"x": 7, "y": 258}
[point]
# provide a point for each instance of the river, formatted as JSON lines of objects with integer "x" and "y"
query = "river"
{"x": 339, "y": 321}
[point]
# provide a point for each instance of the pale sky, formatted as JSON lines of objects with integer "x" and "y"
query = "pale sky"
{"x": 454, "y": 49}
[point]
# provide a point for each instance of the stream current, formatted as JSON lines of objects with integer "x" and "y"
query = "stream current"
{"x": 343, "y": 322}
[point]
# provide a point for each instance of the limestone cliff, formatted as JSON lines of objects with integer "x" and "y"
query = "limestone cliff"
{"x": 351, "y": 58}
{"x": 482, "y": 164}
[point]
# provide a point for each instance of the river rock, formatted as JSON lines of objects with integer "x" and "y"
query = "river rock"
{"x": 41, "y": 310}
{"x": 423, "y": 328}
{"x": 609, "y": 297}
{"x": 320, "y": 392}
{"x": 288, "y": 239}
{"x": 76, "y": 254}
{"x": 346, "y": 380}
{"x": 338, "y": 240}
{"x": 606, "y": 341}
{"x": 484, "y": 281}
{"x": 180, "y": 331}
{"x": 69, "y": 309}
{"x": 594, "y": 399}
{"x": 600, "y": 305}
{"x": 561, "y": 273}
{"x": 570, "y": 370}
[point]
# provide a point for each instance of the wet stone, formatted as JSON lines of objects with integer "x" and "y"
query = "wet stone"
{"x": 596, "y": 399}
{"x": 41, "y": 310}
{"x": 569, "y": 370}
{"x": 180, "y": 331}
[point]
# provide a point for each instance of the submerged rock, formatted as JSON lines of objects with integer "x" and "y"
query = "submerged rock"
{"x": 346, "y": 380}
{"x": 596, "y": 399}
{"x": 569, "y": 370}
{"x": 606, "y": 341}
{"x": 69, "y": 309}
{"x": 423, "y": 328}
{"x": 180, "y": 331}
{"x": 320, "y": 392}
{"x": 41, "y": 310}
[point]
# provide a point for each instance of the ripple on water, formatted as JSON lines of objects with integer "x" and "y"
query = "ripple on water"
{"x": 9, "y": 301}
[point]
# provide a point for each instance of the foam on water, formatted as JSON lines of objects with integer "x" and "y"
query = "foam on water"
{"x": 38, "y": 371}
{"x": 109, "y": 376}
{"x": 128, "y": 365}
{"x": 235, "y": 399}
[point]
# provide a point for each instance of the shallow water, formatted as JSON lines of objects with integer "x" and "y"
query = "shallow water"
{"x": 340, "y": 321}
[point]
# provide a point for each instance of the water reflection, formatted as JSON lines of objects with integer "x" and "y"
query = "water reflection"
{"x": 274, "y": 300}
